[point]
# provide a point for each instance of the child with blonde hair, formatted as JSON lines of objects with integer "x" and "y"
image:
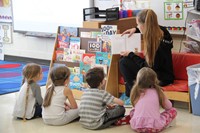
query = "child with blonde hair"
{"x": 56, "y": 111}
{"x": 97, "y": 109}
{"x": 147, "y": 97}
{"x": 29, "y": 100}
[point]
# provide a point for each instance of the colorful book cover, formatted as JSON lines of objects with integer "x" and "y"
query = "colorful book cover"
{"x": 109, "y": 29}
{"x": 75, "y": 42}
{"x": 67, "y": 55}
{"x": 74, "y": 70}
{"x": 89, "y": 58}
{"x": 59, "y": 55}
{"x": 73, "y": 55}
{"x": 94, "y": 46}
{"x": 77, "y": 57}
{"x": 69, "y": 31}
{"x": 95, "y": 34}
{"x": 102, "y": 58}
{"x": 77, "y": 70}
{"x": 105, "y": 43}
{"x": 109, "y": 58}
{"x": 63, "y": 41}
{"x": 76, "y": 81}
{"x": 84, "y": 68}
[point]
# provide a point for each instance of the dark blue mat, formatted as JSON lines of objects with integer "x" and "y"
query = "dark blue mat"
{"x": 11, "y": 76}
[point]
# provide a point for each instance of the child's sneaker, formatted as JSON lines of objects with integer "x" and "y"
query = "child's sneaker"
{"x": 123, "y": 97}
{"x": 127, "y": 101}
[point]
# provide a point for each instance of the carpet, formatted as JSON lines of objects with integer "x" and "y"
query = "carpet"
{"x": 11, "y": 76}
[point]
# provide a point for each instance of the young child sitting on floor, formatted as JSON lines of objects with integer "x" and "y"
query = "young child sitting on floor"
{"x": 147, "y": 97}
{"x": 29, "y": 100}
{"x": 97, "y": 109}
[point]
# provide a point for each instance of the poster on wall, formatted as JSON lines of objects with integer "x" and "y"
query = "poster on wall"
{"x": 5, "y": 33}
{"x": 5, "y": 11}
{"x": 173, "y": 10}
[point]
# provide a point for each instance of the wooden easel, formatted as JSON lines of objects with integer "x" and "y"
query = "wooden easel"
{"x": 112, "y": 85}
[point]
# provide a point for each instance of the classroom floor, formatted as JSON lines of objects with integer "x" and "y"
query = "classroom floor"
{"x": 185, "y": 122}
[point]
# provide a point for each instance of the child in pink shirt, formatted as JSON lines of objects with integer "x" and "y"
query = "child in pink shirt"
{"x": 147, "y": 97}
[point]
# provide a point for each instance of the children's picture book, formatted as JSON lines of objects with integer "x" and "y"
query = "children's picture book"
{"x": 59, "y": 55}
{"x": 74, "y": 43}
{"x": 76, "y": 81}
{"x": 73, "y": 55}
{"x": 64, "y": 36}
{"x": 84, "y": 68}
{"x": 102, "y": 58}
{"x": 74, "y": 70}
{"x": 123, "y": 43}
{"x": 95, "y": 34}
{"x": 109, "y": 29}
{"x": 63, "y": 41}
{"x": 77, "y": 57}
{"x": 105, "y": 43}
{"x": 109, "y": 59}
{"x": 89, "y": 58}
{"x": 94, "y": 46}
{"x": 69, "y": 31}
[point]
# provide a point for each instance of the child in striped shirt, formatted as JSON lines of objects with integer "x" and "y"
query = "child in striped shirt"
{"x": 98, "y": 108}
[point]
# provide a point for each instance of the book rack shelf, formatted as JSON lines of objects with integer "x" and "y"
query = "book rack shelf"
{"x": 83, "y": 45}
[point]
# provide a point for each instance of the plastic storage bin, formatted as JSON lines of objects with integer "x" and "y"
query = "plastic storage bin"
{"x": 193, "y": 72}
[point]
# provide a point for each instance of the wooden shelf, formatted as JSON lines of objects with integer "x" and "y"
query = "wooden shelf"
{"x": 122, "y": 24}
{"x": 177, "y": 32}
{"x": 68, "y": 64}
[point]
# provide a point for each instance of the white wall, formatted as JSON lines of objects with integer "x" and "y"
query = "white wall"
{"x": 30, "y": 47}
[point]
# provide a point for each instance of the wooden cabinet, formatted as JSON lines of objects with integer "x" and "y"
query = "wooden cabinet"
{"x": 122, "y": 24}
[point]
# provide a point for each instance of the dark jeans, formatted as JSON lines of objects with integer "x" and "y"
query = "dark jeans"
{"x": 38, "y": 112}
{"x": 112, "y": 115}
{"x": 129, "y": 70}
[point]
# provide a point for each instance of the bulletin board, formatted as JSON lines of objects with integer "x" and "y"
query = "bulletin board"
{"x": 173, "y": 10}
{"x": 159, "y": 7}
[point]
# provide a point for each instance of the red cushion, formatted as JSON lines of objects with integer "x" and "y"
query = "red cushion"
{"x": 181, "y": 61}
{"x": 178, "y": 85}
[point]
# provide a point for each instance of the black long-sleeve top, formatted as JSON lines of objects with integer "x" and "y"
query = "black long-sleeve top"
{"x": 163, "y": 59}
